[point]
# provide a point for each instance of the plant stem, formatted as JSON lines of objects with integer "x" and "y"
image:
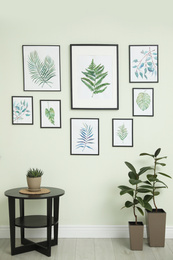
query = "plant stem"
{"x": 134, "y": 207}
{"x": 154, "y": 202}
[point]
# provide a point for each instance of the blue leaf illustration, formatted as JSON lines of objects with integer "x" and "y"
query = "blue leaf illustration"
{"x": 86, "y": 137}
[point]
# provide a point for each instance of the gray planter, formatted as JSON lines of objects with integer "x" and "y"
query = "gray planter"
{"x": 156, "y": 224}
{"x": 136, "y": 235}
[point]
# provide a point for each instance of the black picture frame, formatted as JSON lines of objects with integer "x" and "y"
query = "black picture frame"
{"x": 144, "y": 63}
{"x": 143, "y": 102}
{"x": 122, "y": 132}
{"x": 94, "y": 76}
{"x": 50, "y": 113}
{"x": 41, "y": 68}
{"x": 22, "y": 110}
{"x": 84, "y": 136}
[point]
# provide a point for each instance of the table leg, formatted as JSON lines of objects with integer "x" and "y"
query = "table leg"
{"x": 11, "y": 204}
{"x": 22, "y": 230}
{"x": 49, "y": 222}
{"x": 56, "y": 219}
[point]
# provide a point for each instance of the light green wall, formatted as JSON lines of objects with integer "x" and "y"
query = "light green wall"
{"x": 90, "y": 182}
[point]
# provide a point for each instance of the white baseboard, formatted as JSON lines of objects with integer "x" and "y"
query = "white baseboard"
{"x": 81, "y": 232}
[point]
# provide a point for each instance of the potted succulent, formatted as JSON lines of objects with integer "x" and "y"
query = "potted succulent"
{"x": 136, "y": 203}
{"x": 34, "y": 179}
{"x": 155, "y": 219}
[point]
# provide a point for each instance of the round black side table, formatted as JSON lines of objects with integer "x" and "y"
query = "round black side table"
{"x": 34, "y": 221}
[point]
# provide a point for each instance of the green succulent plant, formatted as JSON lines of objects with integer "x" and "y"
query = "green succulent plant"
{"x": 33, "y": 173}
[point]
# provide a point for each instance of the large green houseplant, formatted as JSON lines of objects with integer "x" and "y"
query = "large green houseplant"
{"x": 34, "y": 179}
{"x": 155, "y": 219}
{"x": 137, "y": 203}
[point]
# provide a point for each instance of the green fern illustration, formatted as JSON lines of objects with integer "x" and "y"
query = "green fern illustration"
{"x": 143, "y": 100}
{"x": 86, "y": 137}
{"x": 50, "y": 114}
{"x": 122, "y": 132}
{"x": 41, "y": 72}
{"x": 94, "y": 76}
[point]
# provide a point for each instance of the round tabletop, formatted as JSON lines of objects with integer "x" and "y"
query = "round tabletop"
{"x": 54, "y": 192}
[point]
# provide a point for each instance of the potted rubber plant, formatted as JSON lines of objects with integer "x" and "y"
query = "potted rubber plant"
{"x": 136, "y": 203}
{"x": 155, "y": 219}
{"x": 34, "y": 179}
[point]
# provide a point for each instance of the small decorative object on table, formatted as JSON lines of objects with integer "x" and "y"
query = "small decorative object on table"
{"x": 34, "y": 179}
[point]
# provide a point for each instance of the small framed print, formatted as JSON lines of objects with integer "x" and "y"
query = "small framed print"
{"x": 22, "y": 110}
{"x": 94, "y": 76}
{"x": 41, "y": 67}
{"x": 84, "y": 134}
{"x": 50, "y": 113}
{"x": 143, "y": 101}
{"x": 122, "y": 132}
{"x": 143, "y": 63}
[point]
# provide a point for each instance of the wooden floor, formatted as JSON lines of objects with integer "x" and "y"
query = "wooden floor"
{"x": 93, "y": 249}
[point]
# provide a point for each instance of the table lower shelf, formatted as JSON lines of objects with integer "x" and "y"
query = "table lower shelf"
{"x": 34, "y": 221}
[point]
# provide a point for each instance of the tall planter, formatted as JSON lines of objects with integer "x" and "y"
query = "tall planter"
{"x": 156, "y": 224}
{"x": 136, "y": 235}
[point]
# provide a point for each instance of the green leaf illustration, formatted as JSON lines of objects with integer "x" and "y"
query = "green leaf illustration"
{"x": 122, "y": 132}
{"x": 86, "y": 137}
{"x": 93, "y": 79}
{"x": 50, "y": 114}
{"x": 20, "y": 110}
{"x": 41, "y": 72}
{"x": 146, "y": 65}
{"x": 143, "y": 100}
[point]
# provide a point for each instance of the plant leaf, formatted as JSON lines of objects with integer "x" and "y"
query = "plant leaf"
{"x": 144, "y": 169}
{"x": 164, "y": 174}
{"x": 50, "y": 114}
{"x": 134, "y": 182}
{"x": 122, "y": 132}
{"x": 143, "y": 100}
{"x": 157, "y": 152}
{"x": 94, "y": 78}
{"x": 128, "y": 204}
{"x": 143, "y": 154}
{"x": 140, "y": 210}
{"x": 41, "y": 72}
{"x": 147, "y": 198}
{"x": 86, "y": 137}
{"x": 131, "y": 167}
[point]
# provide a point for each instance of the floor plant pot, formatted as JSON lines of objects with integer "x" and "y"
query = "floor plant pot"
{"x": 156, "y": 224}
{"x": 34, "y": 183}
{"x": 136, "y": 235}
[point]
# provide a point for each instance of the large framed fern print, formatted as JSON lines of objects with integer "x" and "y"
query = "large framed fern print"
{"x": 143, "y": 101}
{"x": 41, "y": 67}
{"x": 143, "y": 63}
{"x": 84, "y": 134}
{"x": 122, "y": 132}
{"x": 94, "y": 76}
{"x": 50, "y": 113}
{"x": 22, "y": 110}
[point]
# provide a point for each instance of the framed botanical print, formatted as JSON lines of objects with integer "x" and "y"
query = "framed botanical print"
{"x": 22, "y": 110}
{"x": 84, "y": 135}
{"x": 143, "y": 63}
{"x": 143, "y": 101}
{"x": 94, "y": 76}
{"x": 50, "y": 113}
{"x": 122, "y": 132}
{"x": 41, "y": 67}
